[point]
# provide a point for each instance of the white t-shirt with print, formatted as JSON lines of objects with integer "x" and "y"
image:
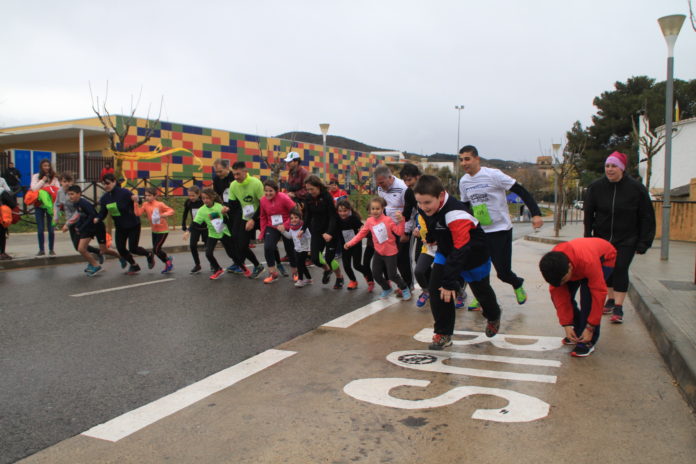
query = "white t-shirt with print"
{"x": 394, "y": 197}
{"x": 486, "y": 193}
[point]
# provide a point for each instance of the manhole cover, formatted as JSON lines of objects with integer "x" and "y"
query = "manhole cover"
{"x": 417, "y": 358}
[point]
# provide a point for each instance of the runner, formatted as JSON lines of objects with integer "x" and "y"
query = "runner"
{"x": 65, "y": 206}
{"x": 197, "y": 232}
{"x": 301, "y": 244}
{"x": 245, "y": 193}
{"x": 349, "y": 223}
{"x": 275, "y": 210}
{"x": 483, "y": 191}
{"x": 118, "y": 202}
{"x": 156, "y": 213}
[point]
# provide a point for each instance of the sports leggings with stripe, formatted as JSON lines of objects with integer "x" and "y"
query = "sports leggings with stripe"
{"x": 157, "y": 243}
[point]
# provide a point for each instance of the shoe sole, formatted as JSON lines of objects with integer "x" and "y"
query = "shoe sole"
{"x": 94, "y": 273}
{"x": 194, "y": 272}
{"x": 617, "y": 321}
{"x": 575, "y": 355}
{"x": 440, "y": 347}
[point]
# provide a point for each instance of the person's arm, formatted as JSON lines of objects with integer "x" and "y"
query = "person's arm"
{"x": 102, "y": 208}
{"x": 165, "y": 210}
{"x": 362, "y": 233}
{"x": 307, "y": 215}
{"x": 460, "y": 226}
{"x": 138, "y": 209}
{"x": 527, "y": 199}
{"x": 646, "y": 215}
{"x": 560, "y": 296}
{"x": 263, "y": 218}
{"x": 331, "y": 211}
{"x": 184, "y": 217}
{"x": 36, "y": 183}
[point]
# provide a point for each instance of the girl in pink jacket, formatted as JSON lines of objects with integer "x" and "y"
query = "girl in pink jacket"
{"x": 274, "y": 216}
{"x": 384, "y": 237}
{"x": 156, "y": 213}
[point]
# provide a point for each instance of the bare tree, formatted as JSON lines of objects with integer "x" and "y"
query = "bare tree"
{"x": 566, "y": 168}
{"x": 116, "y": 135}
{"x": 649, "y": 141}
{"x": 275, "y": 164}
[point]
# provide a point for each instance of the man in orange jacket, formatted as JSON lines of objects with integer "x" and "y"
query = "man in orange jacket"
{"x": 583, "y": 263}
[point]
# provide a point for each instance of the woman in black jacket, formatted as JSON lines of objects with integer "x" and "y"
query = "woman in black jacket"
{"x": 320, "y": 218}
{"x": 618, "y": 209}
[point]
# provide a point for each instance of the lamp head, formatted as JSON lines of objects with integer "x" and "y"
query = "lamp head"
{"x": 671, "y": 25}
{"x": 324, "y": 128}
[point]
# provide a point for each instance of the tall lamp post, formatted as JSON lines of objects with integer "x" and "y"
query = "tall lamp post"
{"x": 325, "y": 130}
{"x": 670, "y": 25}
{"x": 556, "y": 214}
{"x": 459, "y": 109}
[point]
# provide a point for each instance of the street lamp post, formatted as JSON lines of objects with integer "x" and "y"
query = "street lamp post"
{"x": 459, "y": 109}
{"x": 325, "y": 130}
{"x": 556, "y": 214}
{"x": 670, "y": 25}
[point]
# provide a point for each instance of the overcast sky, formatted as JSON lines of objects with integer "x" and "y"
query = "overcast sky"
{"x": 386, "y": 73}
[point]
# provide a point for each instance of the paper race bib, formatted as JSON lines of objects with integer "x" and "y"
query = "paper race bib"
{"x": 226, "y": 195}
{"x": 348, "y": 235}
{"x": 481, "y": 213}
{"x": 113, "y": 209}
{"x": 156, "y": 216}
{"x": 276, "y": 219}
{"x": 248, "y": 211}
{"x": 380, "y": 232}
{"x": 194, "y": 211}
{"x": 218, "y": 225}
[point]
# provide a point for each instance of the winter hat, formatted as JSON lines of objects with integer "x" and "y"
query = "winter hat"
{"x": 617, "y": 159}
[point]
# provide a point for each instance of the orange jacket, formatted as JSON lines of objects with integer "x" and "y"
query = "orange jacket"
{"x": 149, "y": 208}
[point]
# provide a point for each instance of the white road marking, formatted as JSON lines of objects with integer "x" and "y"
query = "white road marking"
{"x": 359, "y": 314}
{"x": 130, "y": 422}
{"x": 115, "y": 289}
{"x": 541, "y": 343}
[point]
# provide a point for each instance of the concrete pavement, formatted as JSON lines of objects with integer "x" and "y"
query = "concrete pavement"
{"x": 664, "y": 294}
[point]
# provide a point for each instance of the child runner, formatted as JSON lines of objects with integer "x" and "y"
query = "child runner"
{"x": 584, "y": 264}
{"x": 87, "y": 228}
{"x": 461, "y": 252}
{"x": 384, "y": 235}
{"x": 212, "y": 213}
{"x": 197, "y": 232}
{"x": 336, "y": 192}
{"x": 65, "y": 206}
{"x": 156, "y": 213}
{"x": 118, "y": 202}
{"x": 320, "y": 219}
{"x": 275, "y": 210}
{"x": 349, "y": 224}
{"x": 301, "y": 244}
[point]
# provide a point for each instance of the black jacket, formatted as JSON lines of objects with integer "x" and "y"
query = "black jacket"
{"x": 320, "y": 214}
{"x": 123, "y": 199}
{"x": 620, "y": 212}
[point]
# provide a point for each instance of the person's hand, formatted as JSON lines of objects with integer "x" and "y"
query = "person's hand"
{"x": 641, "y": 249}
{"x": 537, "y": 222}
{"x": 345, "y": 247}
{"x": 300, "y": 233}
{"x": 96, "y": 220}
{"x": 186, "y": 236}
{"x": 570, "y": 333}
{"x": 405, "y": 238}
{"x": 398, "y": 216}
{"x": 64, "y": 229}
{"x": 225, "y": 210}
{"x": 249, "y": 225}
{"x": 291, "y": 194}
{"x": 447, "y": 295}
{"x": 134, "y": 197}
{"x": 281, "y": 228}
{"x": 326, "y": 237}
{"x": 587, "y": 334}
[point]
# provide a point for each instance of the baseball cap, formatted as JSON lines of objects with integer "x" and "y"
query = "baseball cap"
{"x": 292, "y": 156}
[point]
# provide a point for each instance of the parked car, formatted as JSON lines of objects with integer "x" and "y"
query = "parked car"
{"x": 578, "y": 204}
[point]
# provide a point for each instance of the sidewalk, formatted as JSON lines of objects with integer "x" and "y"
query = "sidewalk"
{"x": 664, "y": 294}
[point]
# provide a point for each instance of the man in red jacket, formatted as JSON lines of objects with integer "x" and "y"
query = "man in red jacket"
{"x": 583, "y": 263}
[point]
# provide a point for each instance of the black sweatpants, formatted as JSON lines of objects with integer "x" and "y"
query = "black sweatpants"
{"x": 499, "y": 246}
{"x": 302, "y": 271}
{"x": 618, "y": 280}
{"x": 404, "y": 261}
{"x": 318, "y": 245}
{"x": 242, "y": 238}
{"x": 580, "y": 314}
{"x": 422, "y": 271}
{"x": 353, "y": 259}
{"x": 196, "y": 235}
{"x": 210, "y": 245}
{"x": 3, "y": 239}
{"x": 132, "y": 237}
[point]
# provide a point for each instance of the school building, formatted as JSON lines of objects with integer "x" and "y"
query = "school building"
{"x": 179, "y": 152}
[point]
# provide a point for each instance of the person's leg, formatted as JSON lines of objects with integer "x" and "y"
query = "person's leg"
{"x": 134, "y": 242}
{"x": 316, "y": 246}
{"x": 499, "y": 246}
{"x": 157, "y": 244}
{"x": 392, "y": 264}
{"x": 404, "y": 262}
{"x": 74, "y": 237}
{"x": 484, "y": 293}
{"x": 422, "y": 271}
{"x": 619, "y": 278}
{"x": 270, "y": 248}
{"x": 443, "y": 313}
{"x": 302, "y": 271}
{"x": 100, "y": 235}
{"x": 49, "y": 228}
{"x": 3, "y": 239}
{"x": 121, "y": 239}
{"x": 232, "y": 251}
{"x": 242, "y": 239}
{"x": 330, "y": 255}
{"x": 210, "y": 253}
{"x": 348, "y": 257}
{"x": 585, "y": 309}
{"x": 195, "y": 235}
{"x": 82, "y": 249}
{"x": 290, "y": 251}
{"x": 378, "y": 269}
{"x": 39, "y": 216}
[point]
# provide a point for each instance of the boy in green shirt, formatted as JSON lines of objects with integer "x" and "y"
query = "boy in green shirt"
{"x": 247, "y": 191}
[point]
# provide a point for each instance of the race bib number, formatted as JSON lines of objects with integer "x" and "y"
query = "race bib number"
{"x": 218, "y": 225}
{"x": 194, "y": 212}
{"x": 156, "y": 216}
{"x": 226, "y": 195}
{"x": 380, "y": 232}
{"x": 348, "y": 235}
{"x": 481, "y": 213}
{"x": 276, "y": 219}
{"x": 248, "y": 211}
{"x": 113, "y": 209}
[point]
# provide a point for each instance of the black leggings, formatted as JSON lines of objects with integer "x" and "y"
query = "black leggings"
{"x": 618, "y": 280}
{"x": 196, "y": 235}
{"x": 210, "y": 245}
{"x": 379, "y": 264}
{"x": 354, "y": 255}
{"x": 270, "y": 247}
{"x": 3, "y": 239}
{"x": 404, "y": 261}
{"x": 302, "y": 270}
{"x": 318, "y": 244}
{"x": 499, "y": 246}
{"x": 132, "y": 237}
{"x": 422, "y": 271}
{"x": 242, "y": 238}
{"x": 157, "y": 243}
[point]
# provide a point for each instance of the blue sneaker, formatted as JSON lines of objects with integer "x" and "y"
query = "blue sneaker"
{"x": 422, "y": 299}
{"x": 459, "y": 302}
{"x": 168, "y": 266}
{"x": 406, "y": 294}
{"x": 282, "y": 270}
{"x": 93, "y": 270}
{"x": 234, "y": 269}
{"x": 123, "y": 262}
{"x": 386, "y": 294}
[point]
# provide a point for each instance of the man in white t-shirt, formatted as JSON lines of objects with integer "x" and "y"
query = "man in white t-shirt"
{"x": 484, "y": 191}
{"x": 393, "y": 190}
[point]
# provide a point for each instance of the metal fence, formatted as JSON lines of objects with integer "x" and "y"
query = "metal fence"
{"x": 94, "y": 163}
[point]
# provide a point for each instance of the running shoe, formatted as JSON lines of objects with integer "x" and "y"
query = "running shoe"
{"x": 123, "y": 262}
{"x": 295, "y": 277}
{"x": 217, "y": 274}
{"x": 252, "y": 245}
{"x": 492, "y": 328}
{"x": 41, "y": 253}
{"x": 150, "y": 260}
{"x": 326, "y": 276}
{"x": 422, "y": 299}
{"x": 352, "y": 285}
{"x": 282, "y": 270}
{"x": 93, "y": 270}
{"x": 86, "y": 270}
{"x": 272, "y": 277}
{"x": 256, "y": 272}
{"x": 616, "y": 319}
{"x": 567, "y": 341}
{"x": 474, "y": 305}
{"x": 398, "y": 292}
{"x": 303, "y": 283}
{"x": 133, "y": 269}
{"x": 196, "y": 269}
{"x": 370, "y": 286}
{"x": 406, "y": 294}
{"x": 339, "y": 283}
{"x": 608, "y": 306}
{"x": 100, "y": 258}
{"x": 52, "y": 254}
{"x": 521, "y": 295}
{"x": 582, "y": 350}
{"x": 459, "y": 302}
{"x": 5, "y": 256}
{"x": 309, "y": 263}
{"x": 234, "y": 269}
{"x": 245, "y": 271}
{"x": 386, "y": 294}
{"x": 168, "y": 266}
{"x": 285, "y": 259}
{"x": 440, "y": 342}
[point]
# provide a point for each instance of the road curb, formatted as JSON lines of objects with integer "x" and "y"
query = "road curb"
{"x": 677, "y": 351}
{"x": 547, "y": 240}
